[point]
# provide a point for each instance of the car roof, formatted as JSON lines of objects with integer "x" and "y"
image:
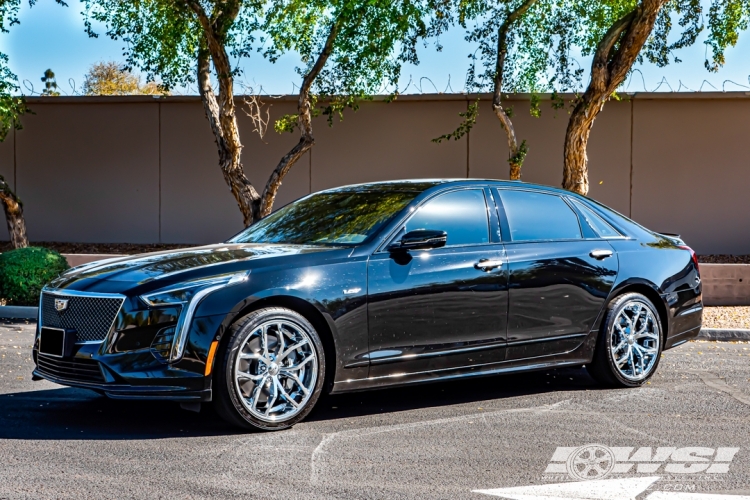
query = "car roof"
{"x": 425, "y": 184}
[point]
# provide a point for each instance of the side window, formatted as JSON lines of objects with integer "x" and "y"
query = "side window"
{"x": 461, "y": 214}
{"x": 538, "y": 216}
{"x": 597, "y": 223}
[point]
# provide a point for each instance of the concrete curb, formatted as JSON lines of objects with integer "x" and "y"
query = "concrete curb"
{"x": 724, "y": 335}
{"x": 19, "y": 312}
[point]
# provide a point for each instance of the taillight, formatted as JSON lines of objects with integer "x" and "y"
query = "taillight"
{"x": 693, "y": 255}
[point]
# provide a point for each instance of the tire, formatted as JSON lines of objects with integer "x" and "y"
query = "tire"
{"x": 617, "y": 342}
{"x": 269, "y": 387}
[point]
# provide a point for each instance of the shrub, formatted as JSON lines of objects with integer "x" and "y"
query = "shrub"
{"x": 24, "y": 271}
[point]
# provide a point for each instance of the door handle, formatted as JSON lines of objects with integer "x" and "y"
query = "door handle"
{"x": 488, "y": 264}
{"x": 601, "y": 254}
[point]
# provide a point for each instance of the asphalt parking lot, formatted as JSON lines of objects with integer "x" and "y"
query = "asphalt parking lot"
{"x": 689, "y": 428}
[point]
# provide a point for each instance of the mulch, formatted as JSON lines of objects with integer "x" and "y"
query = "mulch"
{"x": 103, "y": 248}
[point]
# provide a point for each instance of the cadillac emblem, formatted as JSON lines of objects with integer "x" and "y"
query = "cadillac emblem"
{"x": 61, "y": 304}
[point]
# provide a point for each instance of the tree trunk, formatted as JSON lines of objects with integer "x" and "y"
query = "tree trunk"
{"x": 615, "y": 55}
{"x": 304, "y": 121}
{"x": 515, "y": 170}
{"x": 515, "y": 156}
{"x": 220, "y": 110}
{"x": 13, "y": 215}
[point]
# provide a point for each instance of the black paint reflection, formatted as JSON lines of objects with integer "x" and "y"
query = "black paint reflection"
{"x": 437, "y": 301}
{"x": 556, "y": 289}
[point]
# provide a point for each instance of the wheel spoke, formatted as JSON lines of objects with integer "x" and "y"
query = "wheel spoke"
{"x": 285, "y": 394}
{"x": 264, "y": 340}
{"x": 256, "y": 394}
{"x": 299, "y": 365}
{"x": 251, "y": 355}
{"x": 623, "y": 359}
{"x": 282, "y": 343}
{"x": 291, "y": 349}
{"x": 249, "y": 376}
{"x": 274, "y": 396}
{"x": 296, "y": 380}
{"x": 630, "y": 361}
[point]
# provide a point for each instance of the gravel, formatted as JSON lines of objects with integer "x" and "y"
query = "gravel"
{"x": 726, "y": 317}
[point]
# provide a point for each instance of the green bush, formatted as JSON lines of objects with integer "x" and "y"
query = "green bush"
{"x": 24, "y": 271}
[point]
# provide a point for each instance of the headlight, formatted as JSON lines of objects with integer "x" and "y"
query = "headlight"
{"x": 190, "y": 293}
{"x": 182, "y": 293}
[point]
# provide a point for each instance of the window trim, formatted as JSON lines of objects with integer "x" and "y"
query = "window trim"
{"x": 383, "y": 247}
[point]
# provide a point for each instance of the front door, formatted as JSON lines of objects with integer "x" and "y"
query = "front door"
{"x": 440, "y": 309}
{"x": 558, "y": 279}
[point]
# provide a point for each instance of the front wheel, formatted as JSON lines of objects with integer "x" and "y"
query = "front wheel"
{"x": 629, "y": 344}
{"x": 272, "y": 371}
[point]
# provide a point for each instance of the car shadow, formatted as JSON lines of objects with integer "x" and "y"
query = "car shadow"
{"x": 78, "y": 414}
{"x": 456, "y": 392}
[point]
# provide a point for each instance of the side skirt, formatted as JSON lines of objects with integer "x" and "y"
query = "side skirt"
{"x": 578, "y": 356}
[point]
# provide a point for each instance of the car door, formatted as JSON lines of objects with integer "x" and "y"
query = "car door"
{"x": 440, "y": 309}
{"x": 560, "y": 273}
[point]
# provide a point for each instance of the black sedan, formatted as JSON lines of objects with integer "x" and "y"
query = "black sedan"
{"x": 375, "y": 285}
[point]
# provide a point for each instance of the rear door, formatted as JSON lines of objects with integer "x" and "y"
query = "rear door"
{"x": 560, "y": 273}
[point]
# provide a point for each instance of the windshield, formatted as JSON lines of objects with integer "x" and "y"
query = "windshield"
{"x": 329, "y": 218}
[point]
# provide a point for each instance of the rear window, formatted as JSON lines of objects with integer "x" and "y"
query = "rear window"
{"x": 539, "y": 216}
{"x": 598, "y": 224}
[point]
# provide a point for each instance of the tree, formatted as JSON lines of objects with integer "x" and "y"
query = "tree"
{"x": 182, "y": 40}
{"x": 50, "y": 84}
{"x": 110, "y": 78}
{"x": 616, "y": 34}
{"x": 349, "y": 49}
{"x": 726, "y": 19}
{"x": 11, "y": 109}
{"x": 515, "y": 40}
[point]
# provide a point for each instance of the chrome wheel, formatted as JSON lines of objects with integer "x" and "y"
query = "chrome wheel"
{"x": 276, "y": 370}
{"x": 634, "y": 341}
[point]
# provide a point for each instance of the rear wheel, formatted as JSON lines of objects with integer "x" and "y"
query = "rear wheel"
{"x": 629, "y": 344}
{"x": 272, "y": 371}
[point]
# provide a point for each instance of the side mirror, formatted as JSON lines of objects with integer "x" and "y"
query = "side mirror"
{"x": 420, "y": 239}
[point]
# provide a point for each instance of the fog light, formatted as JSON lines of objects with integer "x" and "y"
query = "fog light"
{"x": 162, "y": 344}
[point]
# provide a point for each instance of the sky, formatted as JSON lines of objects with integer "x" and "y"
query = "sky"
{"x": 51, "y": 36}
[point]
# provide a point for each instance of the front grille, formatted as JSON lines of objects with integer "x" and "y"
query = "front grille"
{"x": 74, "y": 369}
{"x": 90, "y": 317}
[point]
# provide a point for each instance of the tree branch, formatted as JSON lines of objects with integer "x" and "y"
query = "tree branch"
{"x": 497, "y": 106}
{"x": 304, "y": 121}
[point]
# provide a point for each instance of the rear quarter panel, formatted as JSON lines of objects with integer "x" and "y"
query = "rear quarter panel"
{"x": 671, "y": 273}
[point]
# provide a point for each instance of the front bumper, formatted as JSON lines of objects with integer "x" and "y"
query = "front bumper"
{"x": 137, "y": 373}
{"x": 125, "y": 391}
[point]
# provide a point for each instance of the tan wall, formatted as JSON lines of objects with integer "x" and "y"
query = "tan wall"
{"x": 139, "y": 169}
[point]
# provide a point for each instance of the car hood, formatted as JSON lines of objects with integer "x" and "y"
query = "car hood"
{"x": 176, "y": 265}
